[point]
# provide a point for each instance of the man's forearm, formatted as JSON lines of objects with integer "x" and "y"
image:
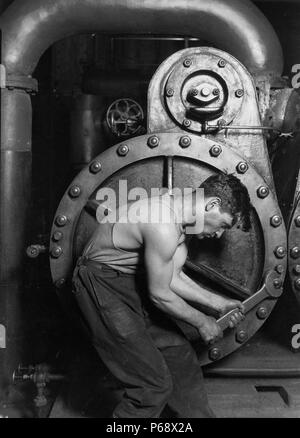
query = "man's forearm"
{"x": 189, "y": 290}
{"x": 175, "y": 306}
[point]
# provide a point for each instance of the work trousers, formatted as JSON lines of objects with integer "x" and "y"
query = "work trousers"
{"x": 140, "y": 345}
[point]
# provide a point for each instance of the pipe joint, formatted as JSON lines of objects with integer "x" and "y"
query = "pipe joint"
{"x": 21, "y": 82}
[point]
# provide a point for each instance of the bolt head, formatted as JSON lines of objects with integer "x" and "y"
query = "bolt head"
{"x": 123, "y": 150}
{"x": 262, "y": 192}
{"x": 61, "y": 220}
{"x": 169, "y": 92}
{"x": 280, "y": 252}
{"x": 186, "y": 123}
{"x": 297, "y": 284}
{"x": 279, "y": 269}
{"x": 74, "y": 191}
{"x": 187, "y": 62}
{"x": 32, "y": 251}
{"x": 221, "y": 123}
{"x": 241, "y": 336}
{"x": 153, "y": 141}
{"x": 216, "y": 92}
{"x": 56, "y": 252}
{"x": 276, "y": 220}
{"x": 215, "y": 150}
{"x": 296, "y": 270}
{"x": 277, "y": 283}
{"x": 295, "y": 252}
{"x": 239, "y": 93}
{"x": 214, "y": 354}
{"x": 95, "y": 167}
{"x": 57, "y": 235}
{"x": 261, "y": 313}
{"x": 221, "y": 63}
{"x": 297, "y": 221}
{"x": 185, "y": 141}
{"x": 242, "y": 167}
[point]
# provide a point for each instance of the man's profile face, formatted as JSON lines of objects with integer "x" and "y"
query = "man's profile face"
{"x": 216, "y": 221}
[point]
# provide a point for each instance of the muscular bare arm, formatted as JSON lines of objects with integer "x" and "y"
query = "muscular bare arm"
{"x": 160, "y": 243}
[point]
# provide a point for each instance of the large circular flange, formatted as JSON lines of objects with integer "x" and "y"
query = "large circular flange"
{"x": 294, "y": 250}
{"x": 137, "y": 150}
{"x": 205, "y": 81}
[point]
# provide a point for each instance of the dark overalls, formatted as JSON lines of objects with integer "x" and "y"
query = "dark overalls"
{"x": 139, "y": 344}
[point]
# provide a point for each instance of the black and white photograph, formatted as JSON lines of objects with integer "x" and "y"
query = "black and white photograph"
{"x": 150, "y": 212}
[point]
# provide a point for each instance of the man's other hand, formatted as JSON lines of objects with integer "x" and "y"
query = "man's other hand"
{"x": 209, "y": 330}
{"x": 226, "y": 305}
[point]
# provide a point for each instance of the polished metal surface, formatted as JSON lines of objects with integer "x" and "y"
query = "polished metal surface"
{"x": 237, "y": 26}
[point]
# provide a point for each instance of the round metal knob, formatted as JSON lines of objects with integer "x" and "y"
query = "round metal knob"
{"x": 262, "y": 192}
{"x": 153, "y": 141}
{"x": 296, "y": 270}
{"x": 123, "y": 150}
{"x": 239, "y": 93}
{"x": 241, "y": 336}
{"x": 169, "y": 92}
{"x": 61, "y": 220}
{"x": 215, "y": 150}
{"x": 295, "y": 252}
{"x": 221, "y": 63}
{"x": 186, "y": 123}
{"x": 277, "y": 283}
{"x": 279, "y": 269}
{"x": 242, "y": 167}
{"x": 56, "y": 251}
{"x": 185, "y": 141}
{"x": 214, "y": 354}
{"x": 280, "y": 252}
{"x": 74, "y": 191}
{"x": 57, "y": 235}
{"x": 187, "y": 62}
{"x": 262, "y": 313}
{"x": 95, "y": 167}
{"x": 276, "y": 220}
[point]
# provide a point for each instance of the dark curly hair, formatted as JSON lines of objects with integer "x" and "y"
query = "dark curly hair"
{"x": 234, "y": 197}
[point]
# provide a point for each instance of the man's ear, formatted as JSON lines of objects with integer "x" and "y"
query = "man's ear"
{"x": 212, "y": 203}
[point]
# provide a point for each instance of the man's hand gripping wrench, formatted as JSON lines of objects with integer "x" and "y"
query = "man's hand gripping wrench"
{"x": 268, "y": 290}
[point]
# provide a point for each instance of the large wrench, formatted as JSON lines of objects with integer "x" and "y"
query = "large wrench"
{"x": 268, "y": 290}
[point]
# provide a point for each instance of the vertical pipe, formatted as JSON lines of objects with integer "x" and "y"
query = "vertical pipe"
{"x": 170, "y": 174}
{"x": 15, "y": 189}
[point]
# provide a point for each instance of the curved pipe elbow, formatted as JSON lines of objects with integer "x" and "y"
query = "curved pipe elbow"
{"x": 236, "y": 26}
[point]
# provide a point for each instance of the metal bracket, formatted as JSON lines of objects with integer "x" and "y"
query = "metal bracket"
{"x": 26, "y": 83}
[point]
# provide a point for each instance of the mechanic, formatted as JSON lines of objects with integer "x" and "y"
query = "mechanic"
{"x": 130, "y": 287}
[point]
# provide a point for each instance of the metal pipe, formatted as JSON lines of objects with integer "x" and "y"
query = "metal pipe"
{"x": 236, "y": 26}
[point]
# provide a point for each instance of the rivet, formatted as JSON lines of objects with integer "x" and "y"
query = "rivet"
{"x": 295, "y": 252}
{"x": 187, "y": 62}
{"x": 185, "y": 141}
{"x": 242, "y": 167}
{"x": 239, "y": 93}
{"x": 214, "y": 353}
{"x": 186, "y": 123}
{"x": 262, "y": 192}
{"x": 32, "y": 251}
{"x": 241, "y": 336}
{"x": 57, "y": 235}
{"x": 123, "y": 150}
{"x": 60, "y": 283}
{"x": 61, "y": 220}
{"x": 262, "y": 313}
{"x": 297, "y": 221}
{"x": 221, "y": 63}
{"x": 279, "y": 269}
{"x": 297, "y": 284}
{"x": 277, "y": 283}
{"x": 275, "y": 221}
{"x": 95, "y": 167}
{"x": 169, "y": 92}
{"x": 74, "y": 191}
{"x": 296, "y": 269}
{"x": 153, "y": 141}
{"x": 280, "y": 252}
{"x": 56, "y": 252}
{"x": 215, "y": 150}
{"x": 216, "y": 92}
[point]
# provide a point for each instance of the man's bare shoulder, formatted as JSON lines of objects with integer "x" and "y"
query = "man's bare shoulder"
{"x": 163, "y": 238}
